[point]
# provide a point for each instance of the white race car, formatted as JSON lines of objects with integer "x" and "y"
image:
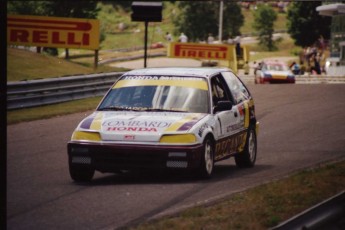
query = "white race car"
{"x": 167, "y": 118}
{"x": 273, "y": 72}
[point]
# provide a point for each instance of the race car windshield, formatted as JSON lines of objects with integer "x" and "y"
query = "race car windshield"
{"x": 277, "y": 67}
{"x": 173, "y": 98}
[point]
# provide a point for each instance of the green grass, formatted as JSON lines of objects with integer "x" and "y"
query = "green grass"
{"x": 26, "y": 65}
{"x": 261, "y": 207}
{"x": 247, "y": 28}
{"x": 286, "y": 48}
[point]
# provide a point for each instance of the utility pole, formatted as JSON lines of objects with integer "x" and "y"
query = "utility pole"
{"x": 220, "y": 21}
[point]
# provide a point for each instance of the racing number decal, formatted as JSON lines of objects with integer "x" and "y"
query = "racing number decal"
{"x": 229, "y": 145}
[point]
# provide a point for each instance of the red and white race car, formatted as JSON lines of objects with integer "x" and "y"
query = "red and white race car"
{"x": 273, "y": 72}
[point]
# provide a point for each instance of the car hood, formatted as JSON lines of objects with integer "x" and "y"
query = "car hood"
{"x": 278, "y": 73}
{"x": 138, "y": 126}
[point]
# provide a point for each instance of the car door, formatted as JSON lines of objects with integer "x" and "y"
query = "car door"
{"x": 227, "y": 120}
{"x": 240, "y": 109}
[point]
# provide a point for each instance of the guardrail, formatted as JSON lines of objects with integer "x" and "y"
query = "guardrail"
{"x": 324, "y": 215}
{"x": 305, "y": 79}
{"x": 33, "y": 93}
{"x": 319, "y": 79}
{"x": 55, "y": 90}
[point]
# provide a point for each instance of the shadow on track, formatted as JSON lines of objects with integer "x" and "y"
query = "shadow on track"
{"x": 221, "y": 172}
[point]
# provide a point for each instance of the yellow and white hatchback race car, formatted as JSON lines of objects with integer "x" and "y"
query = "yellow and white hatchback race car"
{"x": 167, "y": 118}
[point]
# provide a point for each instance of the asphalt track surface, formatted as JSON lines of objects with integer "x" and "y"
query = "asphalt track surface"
{"x": 300, "y": 126}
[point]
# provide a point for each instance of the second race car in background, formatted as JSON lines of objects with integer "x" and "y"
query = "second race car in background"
{"x": 273, "y": 72}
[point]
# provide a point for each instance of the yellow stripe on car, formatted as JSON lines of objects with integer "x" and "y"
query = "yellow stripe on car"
{"x": 246, "y": 115}
{"x": 178, "y": 138}
{"x": 179, "y": 123}
{"x": 190, "y": 83}
{"x": 279, "y": 76}
{"x": 85, "y": 136}
{"x": 251, "y": 102}
{"x": 97, "y": 122}
{"x": 257, "y": 126}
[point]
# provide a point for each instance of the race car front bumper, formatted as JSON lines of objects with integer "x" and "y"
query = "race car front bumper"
{"x": 115, "y": 157}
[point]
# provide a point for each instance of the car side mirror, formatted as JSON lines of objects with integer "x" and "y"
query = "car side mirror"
{"x": 222, "y": 106}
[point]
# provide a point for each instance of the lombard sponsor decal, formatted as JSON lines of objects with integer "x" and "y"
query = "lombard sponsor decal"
{"x": 134, "y": 126}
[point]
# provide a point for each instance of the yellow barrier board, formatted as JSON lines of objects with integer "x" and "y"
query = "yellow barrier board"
{"x": 53, "y": 32}
{"x": 204, "y": 51}
{"x": 201, "y": 51}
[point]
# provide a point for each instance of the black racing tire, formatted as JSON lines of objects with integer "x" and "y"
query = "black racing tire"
{"x": 207, "y": 160}
{"x": 247, "y": 157}
{"x": 81, "y": 173}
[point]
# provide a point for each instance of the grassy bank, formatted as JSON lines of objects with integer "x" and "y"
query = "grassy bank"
{"x": 26, "y": 65}
{"x": 261, "y": 207}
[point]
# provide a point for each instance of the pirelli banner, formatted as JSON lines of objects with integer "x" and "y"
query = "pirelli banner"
{"x": 57, "y": 32}
{"x": 205, "y": 52}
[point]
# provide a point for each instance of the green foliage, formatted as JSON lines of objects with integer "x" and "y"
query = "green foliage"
{"x": 305, "y": 25}
{"x": 27, "y": 7}
{"x": 264, "y": 18}
{"x": 61, "y": 8}
{"x": 233, "y": 19}
{"x": 76, "y": 8}
{"x": 198, "y": 19}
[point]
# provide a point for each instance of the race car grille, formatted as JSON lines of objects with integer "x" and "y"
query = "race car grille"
{"x": 177, "y": 164}
{"x": 81, "y": 160}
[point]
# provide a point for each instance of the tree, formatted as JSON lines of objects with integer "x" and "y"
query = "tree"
{"x": 264, "y": 18}
{"x": 75, "y": 8}
{"x": 27, "y": 7}
{"x": 305, "y": 25}
{"x": 198, "y": 19}
{"x": 61, "y": 8}
{"x": 233, "y": 19}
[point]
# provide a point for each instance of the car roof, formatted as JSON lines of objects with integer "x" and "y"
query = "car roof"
{"x": 179, "y": 71}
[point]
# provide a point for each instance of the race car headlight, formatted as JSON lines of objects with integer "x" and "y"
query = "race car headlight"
{"x": 85, "y": 136}
{"x": 178, "y": 138}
